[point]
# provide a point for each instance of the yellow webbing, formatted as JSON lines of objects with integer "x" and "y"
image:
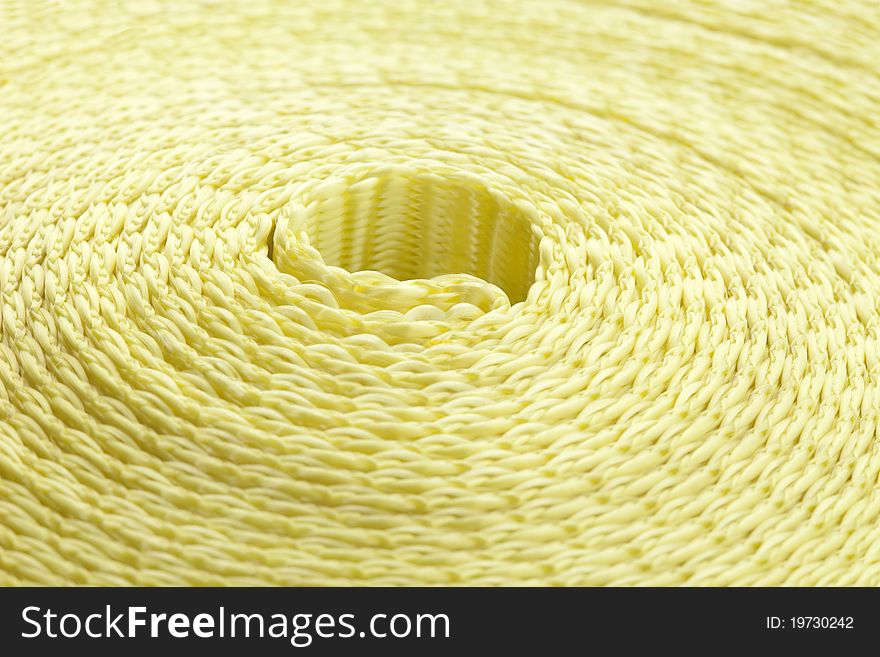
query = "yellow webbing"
{"x": 460, "y": 292}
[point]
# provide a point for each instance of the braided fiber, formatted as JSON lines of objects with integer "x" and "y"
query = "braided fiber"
{"x": 461, "y": 292}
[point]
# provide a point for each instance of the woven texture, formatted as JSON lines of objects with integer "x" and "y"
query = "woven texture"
{"x": 460, "y": 292}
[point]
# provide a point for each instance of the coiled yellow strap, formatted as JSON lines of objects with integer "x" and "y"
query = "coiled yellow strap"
{"x": 460, "y": 292}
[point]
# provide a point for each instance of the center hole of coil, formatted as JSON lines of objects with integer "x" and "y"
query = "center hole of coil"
{"x": 422, "y": 226}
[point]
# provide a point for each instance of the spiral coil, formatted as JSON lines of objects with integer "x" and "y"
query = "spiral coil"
{"x": 471, "y": 292}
